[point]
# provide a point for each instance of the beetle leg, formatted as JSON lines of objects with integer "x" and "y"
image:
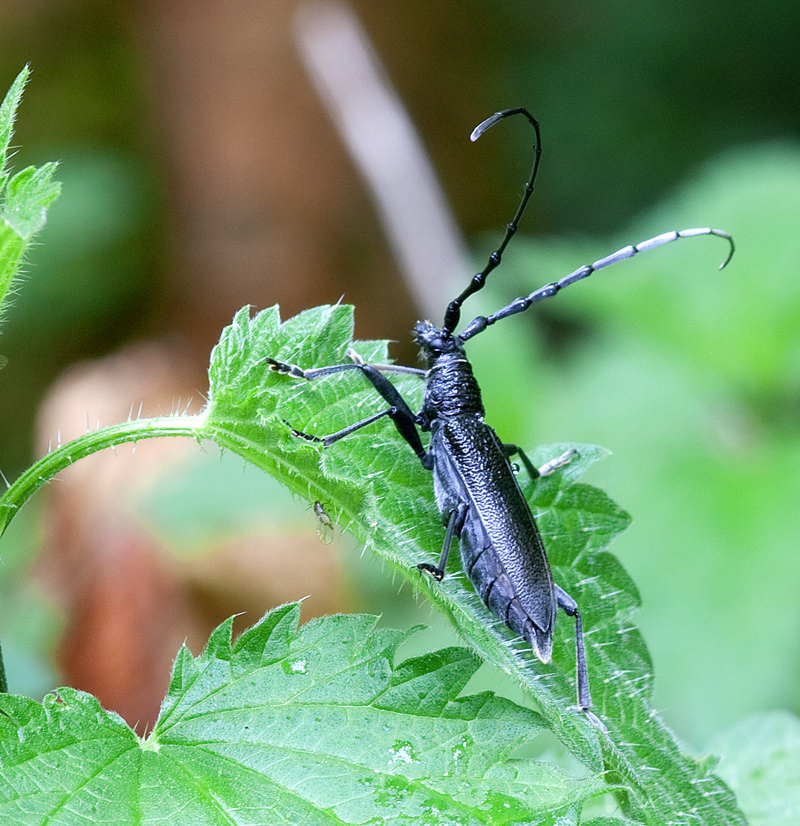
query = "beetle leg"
{"x": 296, "y": 372}
{"x": 387, "y": 368}
{"x": 340, "y": 434}
{"x": 399, "y": 412}
{"x": 547, "y": 468}
{"x": 560, "y": 461}
{"x": 570, "y": 607}
{"x": 455, "y": 522}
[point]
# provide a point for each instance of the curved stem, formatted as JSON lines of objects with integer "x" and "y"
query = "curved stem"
{"x": 64, "y": 455}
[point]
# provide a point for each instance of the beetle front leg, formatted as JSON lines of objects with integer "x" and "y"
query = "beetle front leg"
{"x": 286, "y": 369}
{"x": 399, "y": 412}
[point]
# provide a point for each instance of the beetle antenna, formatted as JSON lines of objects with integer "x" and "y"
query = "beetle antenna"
{"x": 453, "y": 314}
{"x": 519, "y": 305}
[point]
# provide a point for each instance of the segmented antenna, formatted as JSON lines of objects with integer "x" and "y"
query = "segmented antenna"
{"x": 519, "y": 305}
{"x": 453, "y": 314}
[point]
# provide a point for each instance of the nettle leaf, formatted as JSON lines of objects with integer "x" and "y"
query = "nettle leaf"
{"x": 286, "y": 726}
{"x": 373, "y": 485}
{"x": 24, "y": 197}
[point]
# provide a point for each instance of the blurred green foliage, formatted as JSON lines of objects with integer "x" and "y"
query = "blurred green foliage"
{"x": 30, "y": 623}
{"x": 83, "y": 287}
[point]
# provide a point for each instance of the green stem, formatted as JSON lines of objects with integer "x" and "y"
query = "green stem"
{"x": 64, "y": 455}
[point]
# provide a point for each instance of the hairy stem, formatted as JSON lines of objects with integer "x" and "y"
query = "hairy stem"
{"x": 64, "y": 455}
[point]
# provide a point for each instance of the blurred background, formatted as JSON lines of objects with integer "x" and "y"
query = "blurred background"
{"x": 215, "y": 155}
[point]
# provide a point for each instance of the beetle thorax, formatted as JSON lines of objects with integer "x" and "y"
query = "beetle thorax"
{"x": 450, "y": 387}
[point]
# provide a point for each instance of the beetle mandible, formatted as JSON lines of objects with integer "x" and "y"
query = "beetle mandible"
{"x": 474, "y": 482}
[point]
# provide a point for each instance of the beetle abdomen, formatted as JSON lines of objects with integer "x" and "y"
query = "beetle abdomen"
{"x": 501, "y": 550}
{"x": 495, "y": 588}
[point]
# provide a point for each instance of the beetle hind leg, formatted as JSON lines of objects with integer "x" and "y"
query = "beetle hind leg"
{"x": 570, "y": 607}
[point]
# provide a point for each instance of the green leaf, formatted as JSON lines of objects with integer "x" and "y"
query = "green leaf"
{"x": 28, "y": 194}
{"x": 24, "y": 197}
{"x": 8, "y": 112}
{"x": 64, "y": 761}
{"x": 374, "y": 486}
{"x": 286, "y": 726}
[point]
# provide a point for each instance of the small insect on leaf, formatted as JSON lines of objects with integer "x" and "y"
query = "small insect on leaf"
{"x": 324, "y": 523}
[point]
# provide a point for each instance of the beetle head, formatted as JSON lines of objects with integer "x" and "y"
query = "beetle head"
{"x": 435, "y": 341}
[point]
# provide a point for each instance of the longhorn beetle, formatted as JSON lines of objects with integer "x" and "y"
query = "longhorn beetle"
{"x": 474, "y": 482}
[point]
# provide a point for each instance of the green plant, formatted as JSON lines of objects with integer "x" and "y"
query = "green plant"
{"x": 25, "y": 196}
{"x": 396, "y": 516}
{"x": 320, "y": 725}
